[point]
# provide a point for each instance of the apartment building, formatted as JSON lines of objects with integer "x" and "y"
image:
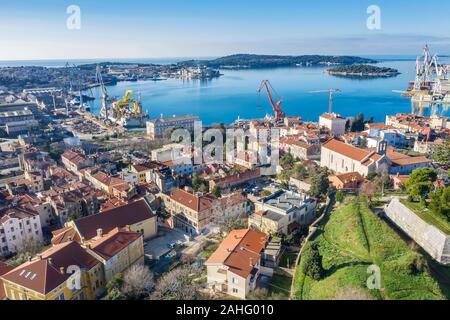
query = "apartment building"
{"x": 283, "y": 212}
{"x": 235, "y": 266}
{"x": 194, "y": 212}
{"x": 17, "y": 225}
{"x": 334, "y": 123}
{"x": 157, "y": 128}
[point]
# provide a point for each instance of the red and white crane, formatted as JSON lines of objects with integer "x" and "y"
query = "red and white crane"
{"x": 276, "y": 106}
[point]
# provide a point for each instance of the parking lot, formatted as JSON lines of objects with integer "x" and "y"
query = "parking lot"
{"x": 158, "y": 247}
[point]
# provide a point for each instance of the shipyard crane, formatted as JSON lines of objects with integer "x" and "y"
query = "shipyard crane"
{"x": 104, "y": 92}
{"x": 331, "y": 92}
{"x": 276, "y": 106}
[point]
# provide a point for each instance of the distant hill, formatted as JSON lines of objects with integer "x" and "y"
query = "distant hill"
{"x": 253, "y": 61}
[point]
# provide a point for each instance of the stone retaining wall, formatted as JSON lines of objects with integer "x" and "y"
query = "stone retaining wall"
{"x": 435, "y": 242}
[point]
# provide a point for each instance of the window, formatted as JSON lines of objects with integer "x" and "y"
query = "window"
{"x": 235, "y": 290}
{"x": 234, "y": 280}
{"x": 61, "y": 297}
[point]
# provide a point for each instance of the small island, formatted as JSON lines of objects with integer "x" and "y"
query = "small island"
{"x": 363, "y": 71}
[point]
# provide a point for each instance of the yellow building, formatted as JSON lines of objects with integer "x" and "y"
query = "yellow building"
{"x": 117, "y": 250}
{"x": 63, "y": 272}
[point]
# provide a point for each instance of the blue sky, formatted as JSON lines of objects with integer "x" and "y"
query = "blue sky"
{"x": 174, "y": 28}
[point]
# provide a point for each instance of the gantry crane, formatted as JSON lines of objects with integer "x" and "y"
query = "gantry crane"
{"x": 279, "y": 113}
{"x": 331, "y": 92}
{"x": 104, "y": 92}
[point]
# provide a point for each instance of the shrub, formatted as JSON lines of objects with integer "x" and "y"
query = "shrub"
{"x": 312, "y": 262}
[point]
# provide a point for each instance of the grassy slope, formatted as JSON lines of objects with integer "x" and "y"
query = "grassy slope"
{"x": 353, "y": 239}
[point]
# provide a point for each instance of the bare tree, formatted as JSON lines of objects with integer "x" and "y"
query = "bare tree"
{"x": 226, "y": 222}
{"x": 137, "y": 282}
{"x": 178, "y": 284}
{"x": 369, "y": 189}
{"x": 30, "y": 245}
{"x": 383, "y": 175}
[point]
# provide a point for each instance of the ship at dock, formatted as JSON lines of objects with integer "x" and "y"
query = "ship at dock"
{"x": 432, "y": 84}
{"x": 126, "y": 113}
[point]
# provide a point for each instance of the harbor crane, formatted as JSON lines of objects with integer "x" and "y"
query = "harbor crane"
{"x": 104, "y": 92}
{"x": 276, "y": 106}
{"x": 331, "y": 92}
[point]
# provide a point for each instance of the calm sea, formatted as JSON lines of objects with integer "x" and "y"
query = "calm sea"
{"x": 235, "y": 94}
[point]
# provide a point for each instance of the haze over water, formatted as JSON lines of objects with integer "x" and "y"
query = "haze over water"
{"x": 235, "y": 94}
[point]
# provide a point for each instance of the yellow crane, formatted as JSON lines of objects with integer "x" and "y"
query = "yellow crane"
{"x": 122, "y": 106}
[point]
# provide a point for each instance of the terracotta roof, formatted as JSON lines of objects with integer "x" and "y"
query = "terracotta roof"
{"x": 114, "y": 242}
{"x": 331, "y": 116}
{"x": 192, "y": 201}
{"x": 240, "y": 251}
{"x": 73, "y": 157}
{"x": 346, "y": 150}
{"x": 142, "y": 167}
{"x": 400, "y": 159}
{"x": 43, "y": 274}
{"x": 350, "y": 177}
{"x": 118, "y": 217}
{"x": 64, "y": 235}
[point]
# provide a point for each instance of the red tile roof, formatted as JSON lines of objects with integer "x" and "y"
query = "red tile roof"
{"x": 192, "y": 201}
{"x": 240, "y": 251}
{"x": 48, "y": 271}
{"x": 118, "y": 217}
{"x": 346, "y": 150}
{"x": 111, "y": 244}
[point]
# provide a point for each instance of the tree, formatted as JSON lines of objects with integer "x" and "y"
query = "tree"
{"x": 363, "y": 143}
{"x": 217, "y": 192}
{"x": 178, "y": 284}
{"x": 358, "y": 123}
{"x": 340, "y": 196}
{"x": 114, "y": 288}
{"x": 195, "y": 182}
{"x": 287, "y": 160}
{"x": 441, "y": 153}
{"x": 319, "y": 183}
{"x": 420, "y": 183}
{"x": 26, "y": 250}
{"x": 440, "y": 202}
{"x": 311, "y": 264}
{"x": 369, "y": 189}
{"x": 137, "y": 282}
{"x": 383, "y": 176}
{"x": 300, "y": 171}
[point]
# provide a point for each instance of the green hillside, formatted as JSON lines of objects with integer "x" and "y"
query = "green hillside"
{"x": 353, "y": 239}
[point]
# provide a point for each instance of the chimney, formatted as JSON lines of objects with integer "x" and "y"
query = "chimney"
{"x": 50, "y": 260}
{"x": 62, "y": 270}
{"x": 99, "y": 232}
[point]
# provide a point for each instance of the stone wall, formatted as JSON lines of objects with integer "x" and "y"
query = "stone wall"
{"x": 435, "y": 242}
